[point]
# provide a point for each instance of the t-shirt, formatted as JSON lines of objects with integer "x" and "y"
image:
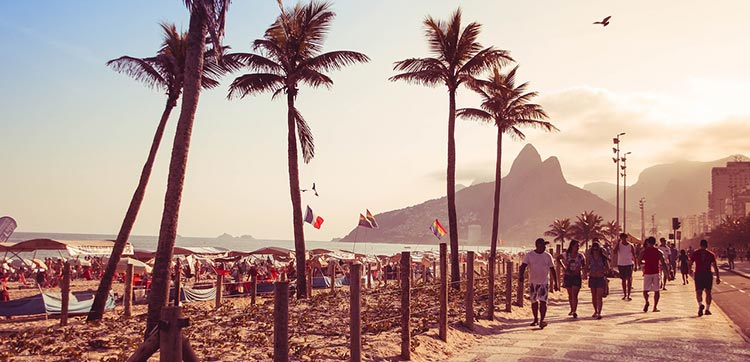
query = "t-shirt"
{"x": 539, "y": 265}
{"x": 652, "y": 261}
{"x": 624, "y": 254}
{"x": 574, "y": 263}
{"x": 703, "y": 259}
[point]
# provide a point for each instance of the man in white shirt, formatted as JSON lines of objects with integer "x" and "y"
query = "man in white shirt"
{"x": 540, "y": 267}
{"x": 624, "y": 255}
{"x": 665, "y": 273}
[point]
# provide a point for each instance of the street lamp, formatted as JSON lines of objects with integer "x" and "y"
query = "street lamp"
{"x": 642, "y": 205}
{"x": 616, "y": 159}
{"x": 624, "y": 175}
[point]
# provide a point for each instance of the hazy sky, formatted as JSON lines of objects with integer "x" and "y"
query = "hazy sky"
{"x": 672, "y": 74}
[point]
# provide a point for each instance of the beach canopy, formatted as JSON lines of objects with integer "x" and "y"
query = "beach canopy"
{"x": 138, "y": 266}
{"x": 73, "y": 247}
{"x": 275, "y": 251}
{"x": 200, "y": 250}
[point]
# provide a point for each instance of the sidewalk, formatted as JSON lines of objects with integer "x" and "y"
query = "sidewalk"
{"x": 625, "y": 332}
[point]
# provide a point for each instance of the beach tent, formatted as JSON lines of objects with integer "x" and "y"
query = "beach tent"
{"x": 201, "y": 250}
{"x": 73, "y": 247}
{"x": 275, "y": 251}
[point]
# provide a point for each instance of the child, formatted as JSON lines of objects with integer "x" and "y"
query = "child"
{"x": 684, "y": 266}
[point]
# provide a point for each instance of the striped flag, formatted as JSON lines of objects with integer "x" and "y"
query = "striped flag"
{"x": 437, "y": 229}
{"x": 371, "y": 219}
{"x": 313, "y": 219}
{"x": 363, "y": 222}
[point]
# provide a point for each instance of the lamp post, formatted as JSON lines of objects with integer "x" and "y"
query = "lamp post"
{"x": 624, "y": 175}
{"x": 642, "y": 204}
{"x": 616, "y": 159}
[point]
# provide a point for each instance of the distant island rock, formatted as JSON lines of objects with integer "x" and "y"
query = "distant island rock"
{"x": 226, "y": 236}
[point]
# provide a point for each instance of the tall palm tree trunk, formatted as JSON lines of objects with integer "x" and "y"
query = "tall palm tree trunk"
{"x": 451, "y": 180}
{"x": 97, "y": 309}
{"x": 495, "y": 223}
{"x": 299, "y": 234}
{"x": 193, "y": 69}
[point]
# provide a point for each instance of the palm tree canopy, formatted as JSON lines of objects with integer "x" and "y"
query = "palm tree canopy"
{"x": 588, "y": 226}
{"x": 166, "y": 70}
{"x": 289, "y": 54}
{"x": 506, "y": 104}
{"x": 458, "y": 56}
{"x": 560, "y": 229}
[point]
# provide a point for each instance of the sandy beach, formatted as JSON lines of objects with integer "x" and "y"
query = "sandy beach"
{"x": 239, "y": 331}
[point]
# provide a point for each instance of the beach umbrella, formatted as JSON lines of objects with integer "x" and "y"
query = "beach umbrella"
{"x": 138, "y": 266}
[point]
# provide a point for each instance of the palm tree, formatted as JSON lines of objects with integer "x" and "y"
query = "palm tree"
{"x": 508, "y": 107}
{"x": 165, "y": 71}
{"x": 206, "y": 17}
{"x": 290, "y": 54}
{"x": 611, "y": 230}
{"x": 588, "y": 226}
{"x": 560, "y": 230}
{"x": 458, "y": 57}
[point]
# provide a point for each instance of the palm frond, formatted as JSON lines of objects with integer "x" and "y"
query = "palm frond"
{"x": 435, "y": 33}
{"x": 423, "y": 77}
{"x": 474, "y": 114}
{"x": 334, "y": 60}
{"x": 141, "y": 70}
{"x": 418, "y": 64}
{"x": 251, "y": 84}
{"x": 305, "y": 136}
{"x": 313, "y": 78}
{"x": 483, "y": 60}
{"x": 467, "y": 45}
{"x": 253, "y": 62}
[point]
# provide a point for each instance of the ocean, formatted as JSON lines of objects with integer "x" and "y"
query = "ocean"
{"x": 246, "y": 244}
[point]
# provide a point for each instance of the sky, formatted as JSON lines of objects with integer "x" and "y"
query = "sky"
{"x": 672, "y": 75}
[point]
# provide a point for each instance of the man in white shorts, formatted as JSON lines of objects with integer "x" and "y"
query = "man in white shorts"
{"x": 540, "y": 267}
{"x": 624, "y": 252}
{"x": 652, "y": 259}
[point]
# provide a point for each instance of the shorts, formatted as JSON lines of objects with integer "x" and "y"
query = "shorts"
{"x": 597, "y": 282}
{"x": 626, "y": 271}
{"x": 570, "y": 280}
{"x": 684, "y": 269}
{"x": 651, "y": 283}
{"x": 538, "y": 293}
{"x": 704, "y": 281}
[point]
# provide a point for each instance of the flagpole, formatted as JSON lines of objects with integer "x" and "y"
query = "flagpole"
{"x": 356, "y": 231}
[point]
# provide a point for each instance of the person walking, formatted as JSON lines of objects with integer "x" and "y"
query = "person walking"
{"x": 624, "y": 251}
{"x": 684, "y": 266}
{"x": 673, "y": 254}
{"x": 653, "y": 260}
{"x": 731, "y": 255}
{"x": 704, "y": 259}
{"x": 597, "y": 266}
{"x": 573, "y": 263}
{"x": 665, "y": 271}
{"x": 540, "y": 266}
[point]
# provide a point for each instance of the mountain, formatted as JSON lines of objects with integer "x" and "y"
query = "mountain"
{"x": 605, "y": 190}
{"x": 674, "y": 189}
{"x": 533, "y": 194}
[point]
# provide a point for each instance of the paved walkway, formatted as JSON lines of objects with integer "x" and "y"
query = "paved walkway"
{"x": 625, "y": 332}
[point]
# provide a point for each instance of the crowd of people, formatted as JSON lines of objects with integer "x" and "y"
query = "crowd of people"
{"x": 659, "y": 265}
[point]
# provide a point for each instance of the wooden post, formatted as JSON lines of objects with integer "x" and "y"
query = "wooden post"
{"x": 177, "y": 282}
{"x": 170, "y": 335}
{"x": 491, "y": 288}
{"x": 519, "y": 298}
{"x": 128, "y": 297}
{"x": 65, "y": 294}
{"x": 424, "y": 274}
{"x": 398, "y": 274}
{"x": 463, "y": 267}
{"x": 309, "y": 287}
{"x": 219, "y": 289}
{"x": 281, "y": 322}
{"x": 369, "y": 276}
{"x": 405, "y": 305}
{"x": 253, "y": 288}
{"x": 508, "y": 284}
{"x": 469, "y": 322}
{"x": 355, "y": 315}
{"x": 434, "y": 271}
{"x": 332, "y": 273}
{"x": 443, "y": 317}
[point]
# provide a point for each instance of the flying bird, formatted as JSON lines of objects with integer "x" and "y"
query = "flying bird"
{"x": 313, "y": 188}
{"x": 604, "y": 21}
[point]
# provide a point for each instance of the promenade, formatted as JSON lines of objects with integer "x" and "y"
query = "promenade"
{"x": 625, "y": 332}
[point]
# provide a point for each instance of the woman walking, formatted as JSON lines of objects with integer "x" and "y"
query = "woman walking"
{"x": 684, "y": 266}
{"x": 573, "y": 262}
{"x": 597, "y": 266}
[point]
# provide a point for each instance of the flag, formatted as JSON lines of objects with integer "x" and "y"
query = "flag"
{"x": 437, "y": 229}
{"x": 363, "y": 222}
{"x": 313, "y": 219}
{"x": 7, "y": 225}
{"x": 371, "y": 219}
